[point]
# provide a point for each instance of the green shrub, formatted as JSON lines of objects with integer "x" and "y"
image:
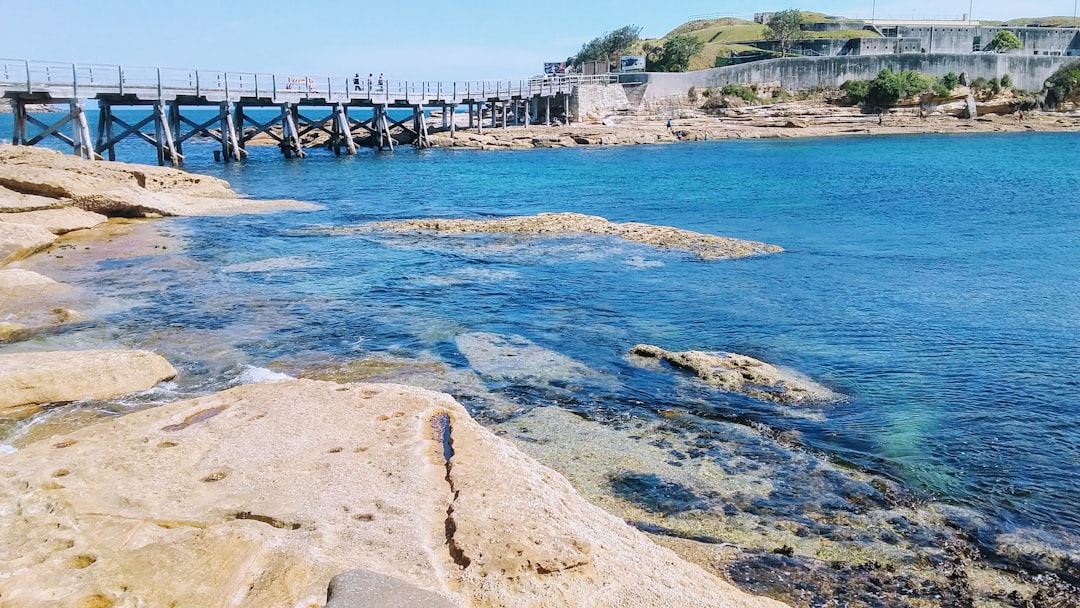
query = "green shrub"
{"x": 995, "y": 86}
{"x": 855, "y": 91}
{"x": 890, "y": 87}
{"x": 941, "y": 90}
{"x": 1004, "y": 41}
{"x": 1006, "y": 81}
{"x": 950, "y": 80}
{"x": 741, "y": 91}
{"x": 980, "y": 84}
{"x": 1063, "y": 85}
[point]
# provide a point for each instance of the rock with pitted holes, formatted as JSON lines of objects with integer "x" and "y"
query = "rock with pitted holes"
{"x": 260, "y": 495}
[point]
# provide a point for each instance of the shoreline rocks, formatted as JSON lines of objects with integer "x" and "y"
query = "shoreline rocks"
{"x": 705, "y": 246}
{"x": 742, "y": 374}
{"x": 28, "y": 380}
{"x": 225, "y": 499}
{"x": 31, "y": 176}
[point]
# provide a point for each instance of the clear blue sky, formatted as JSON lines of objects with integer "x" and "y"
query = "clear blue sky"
{"x": 421, "y": 40}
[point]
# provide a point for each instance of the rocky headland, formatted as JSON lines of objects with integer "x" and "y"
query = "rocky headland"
{"x": 705, "y": 246}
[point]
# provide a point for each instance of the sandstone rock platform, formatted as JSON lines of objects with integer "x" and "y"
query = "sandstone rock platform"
{"x": 260, "y": 495}
{"x": 706, "y": 246}
{"x": 28, "y": 380}
{"x": 31, "y": 176}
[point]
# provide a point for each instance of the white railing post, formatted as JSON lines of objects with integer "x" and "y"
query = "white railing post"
{"x": 159, "y": 84}
{"x": 75, "y": 80}
{"x": 120, "y": 74}
{"x": 29, "y": 88}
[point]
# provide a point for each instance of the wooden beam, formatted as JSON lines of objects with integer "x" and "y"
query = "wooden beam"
{"x": 343, "y": 119}
{"x": 49, "y": 129}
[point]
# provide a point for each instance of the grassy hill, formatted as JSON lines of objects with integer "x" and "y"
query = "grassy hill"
{"x": 728, "y": 36}
{"x": 1040, "y": 21}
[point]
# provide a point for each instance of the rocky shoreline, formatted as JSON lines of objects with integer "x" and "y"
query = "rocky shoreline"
{"x": 780, "y": 120}
{"x": 263, "y": 494}
{"x": 226, "y": 499}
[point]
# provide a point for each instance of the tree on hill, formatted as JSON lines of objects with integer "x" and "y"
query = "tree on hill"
{"x": 608, "y": 46}
{"x": 675, "y": 55}
{"x": 786, "y": 27}
{"x": 1003, "y": 42}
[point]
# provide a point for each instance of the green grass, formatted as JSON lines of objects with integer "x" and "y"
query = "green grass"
{"x": 728, "y": 36}
{"x": 1043, "y": 21}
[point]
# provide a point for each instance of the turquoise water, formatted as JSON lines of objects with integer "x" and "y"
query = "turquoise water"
{"x": 932, "y": 280}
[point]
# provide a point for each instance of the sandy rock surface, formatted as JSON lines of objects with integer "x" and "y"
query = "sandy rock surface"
{"x": 30, "y": 379}
{"x": 117, "y": 189}
{"x": 258, "y": 496}
{"x": 16, "y": 202}
{"x": 706, "y": 246}
{"x": 57, "y": 221}
{"x": 742, "y": 374}
{"x": 18, "y": 241}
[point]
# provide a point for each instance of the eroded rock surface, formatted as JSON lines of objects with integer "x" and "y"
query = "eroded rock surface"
{"x": 117, "y": 189}
{"x": 57, "y": 221}
{"x": 231, "y": 499}
{"x": 742, "y": 374}
{"x": 30, "y": 379}
{"x": 18, "y": 241}
{"x": 707, "y": 246}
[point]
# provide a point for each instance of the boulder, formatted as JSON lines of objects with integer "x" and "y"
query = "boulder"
{"x": 57, "y": 221}
{"x": 53, "y": 377}
{"x": 18, "y": 241}
{"x": 260, "y": 495}
{"x": 742, "y": 374}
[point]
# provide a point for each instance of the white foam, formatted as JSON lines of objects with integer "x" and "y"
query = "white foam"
{"x": 640, "y": 262}
{"x": 272, "y": 264}
{"x": 255, "y": 375}
{"x": 7, "y": 449}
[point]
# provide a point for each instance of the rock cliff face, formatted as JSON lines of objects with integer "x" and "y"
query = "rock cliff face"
{"x": 258, "y": 496}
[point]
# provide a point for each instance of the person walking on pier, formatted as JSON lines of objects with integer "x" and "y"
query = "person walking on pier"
{"x": 382, "y": 81}
{"x": 356, "y": 82}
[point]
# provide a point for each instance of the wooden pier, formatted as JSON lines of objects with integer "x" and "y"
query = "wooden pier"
{"x": 302, "y": 105}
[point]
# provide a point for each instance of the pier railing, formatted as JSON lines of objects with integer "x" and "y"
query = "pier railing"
{"x": 68, "y": 80}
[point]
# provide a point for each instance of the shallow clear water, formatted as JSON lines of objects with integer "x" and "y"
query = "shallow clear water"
{"x": 933, "y": 280}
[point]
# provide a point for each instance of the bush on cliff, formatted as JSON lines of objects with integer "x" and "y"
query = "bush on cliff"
{"x": 890, "y": 87}
{"x": 1064, "y": 85}
{"x": 675, "y": 55}
{"x": 950, "y": 80}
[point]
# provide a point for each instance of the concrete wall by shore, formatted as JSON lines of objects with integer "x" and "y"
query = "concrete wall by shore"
{"x": 804, "y": 73}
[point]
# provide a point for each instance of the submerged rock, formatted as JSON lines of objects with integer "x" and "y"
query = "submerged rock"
{"x": 742, "y": 374}
{"x": 517, "y": 359}
{"x": 232, "y": 499}
{"x": 31, "y": 379}
{"x": 706, "y": 246}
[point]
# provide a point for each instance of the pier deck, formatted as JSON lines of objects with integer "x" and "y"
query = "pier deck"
{"x": 166, "y": 92}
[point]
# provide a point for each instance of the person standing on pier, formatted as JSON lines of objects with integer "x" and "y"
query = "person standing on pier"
{"x": 356, "y": 82}
{"x": 382, "y": 81}
{"x": 370, "y": 80}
